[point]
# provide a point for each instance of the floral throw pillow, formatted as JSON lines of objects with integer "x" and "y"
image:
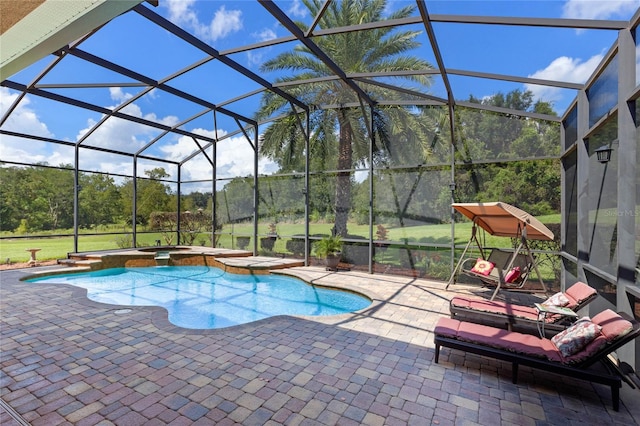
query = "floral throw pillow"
{"x": 558, "y": 299}
{"x": 575, "y": 338}
{"x": 483, "y": 267}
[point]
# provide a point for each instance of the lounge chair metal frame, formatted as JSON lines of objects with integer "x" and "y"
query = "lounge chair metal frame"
{"x": 610, "y": 378}
{"x": 522, "y": 257}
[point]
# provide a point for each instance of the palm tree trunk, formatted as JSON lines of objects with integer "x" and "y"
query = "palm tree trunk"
{"x": 343, "y": 179}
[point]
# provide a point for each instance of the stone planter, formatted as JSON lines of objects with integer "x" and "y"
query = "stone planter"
{"x": 267, "y": 243}
{"x": 243, "y": 242}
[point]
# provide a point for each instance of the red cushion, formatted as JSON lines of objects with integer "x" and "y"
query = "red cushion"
{"x": 483, "y": 267}
{"x": 495, "y": 307}
{"x": 447, "y": 327}
{"x": 497, "y": 338}
{"x": 578, "y": 293}
{"x": 613, "y": 325}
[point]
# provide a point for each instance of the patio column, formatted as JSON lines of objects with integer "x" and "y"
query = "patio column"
{"x": 371, "y": 215}
{"x": 134, "y": 203}
{"x": 214, "y": 177}
{"x": 76, "y": 197}
{"x": 626, "y": 153}
{"x": 256, "y": 193}
{"x": 307, "y": 148}
{"x": 582, "y": 185}
{"x": 179, "y": 204}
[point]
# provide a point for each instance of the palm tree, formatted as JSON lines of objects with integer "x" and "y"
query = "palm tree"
{"x": 377, "y": 50}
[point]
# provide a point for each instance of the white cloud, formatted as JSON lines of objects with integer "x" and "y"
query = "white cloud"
{"x": 256, "y": 58}
{"x": 181, "y": 12}
{"x": 185, "y": 144}
{"x": 117, "y": 94}
{"x": 12, "y": 149}
{"x": 23, "y": 118}
{"x": 603, "y": 9}
{"x": 234, "y": 157}
{"x": 265, "y": 35}
{"x": 564, "y": 68}
{"x": 297, "y": 9}
{"x": 223, "y": 23}
{"x": 124, "y": 135}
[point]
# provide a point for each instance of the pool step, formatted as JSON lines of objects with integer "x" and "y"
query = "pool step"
{"x": 78, "y": 262}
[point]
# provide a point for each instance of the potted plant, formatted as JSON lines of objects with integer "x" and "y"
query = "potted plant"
{"x": 269, "y": 241}
{"x": 330, "y": 248}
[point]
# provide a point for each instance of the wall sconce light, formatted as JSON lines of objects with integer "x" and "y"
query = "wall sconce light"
{"x": 603, "y": 154}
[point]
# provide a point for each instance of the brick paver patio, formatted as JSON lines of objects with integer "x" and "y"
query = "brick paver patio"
{"x": 68, "y": 360}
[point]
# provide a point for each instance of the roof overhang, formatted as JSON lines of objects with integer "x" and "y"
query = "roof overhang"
{"x": 51, "y": 26}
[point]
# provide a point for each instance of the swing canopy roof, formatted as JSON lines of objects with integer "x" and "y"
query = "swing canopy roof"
{"x": 504, "y": 220}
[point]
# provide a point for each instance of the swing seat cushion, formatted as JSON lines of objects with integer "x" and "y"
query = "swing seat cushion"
{"x": 499, "y": 261}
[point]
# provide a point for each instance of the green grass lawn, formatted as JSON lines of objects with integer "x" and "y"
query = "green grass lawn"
{"x": 58, "y": 247}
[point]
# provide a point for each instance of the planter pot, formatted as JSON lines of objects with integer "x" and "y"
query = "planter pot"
{"x": 267, "y": 243}
{"x": 243, "y": 242}
{"x": 296, "y": 245}
{"x": 332, "y": 261}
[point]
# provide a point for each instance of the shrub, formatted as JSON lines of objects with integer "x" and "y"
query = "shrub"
{"x": 329, "y": 245}
{"x": 124, "y": 241}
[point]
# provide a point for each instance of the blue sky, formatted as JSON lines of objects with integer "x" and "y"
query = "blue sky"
{"x": 554, "y": 54}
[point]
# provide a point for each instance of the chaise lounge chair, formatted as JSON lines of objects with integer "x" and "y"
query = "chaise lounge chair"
{"x": 519, "y": 317}
{"x": 569, "y": 353}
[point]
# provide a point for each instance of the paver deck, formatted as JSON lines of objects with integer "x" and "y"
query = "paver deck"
{"x": 68, "y": 360}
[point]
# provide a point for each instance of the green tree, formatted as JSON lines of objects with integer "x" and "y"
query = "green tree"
{"x": 235, "y": 201}
{"x": 195, "y": 200}
{"x": 377, "y": 50}
{"x": 534, "y": 184}
{"x": 37, "y": 198}
{"x": 53, "y": 191}
{"x": 13, "y": 200}
{"x": 100, "y": 200}
{"x": 152, "y": 196}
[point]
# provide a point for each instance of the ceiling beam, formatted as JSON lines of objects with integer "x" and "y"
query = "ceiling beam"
{"x": 199, "y": 44}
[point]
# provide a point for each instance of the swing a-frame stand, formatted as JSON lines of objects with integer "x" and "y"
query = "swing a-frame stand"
{"x": 509, "y": 270}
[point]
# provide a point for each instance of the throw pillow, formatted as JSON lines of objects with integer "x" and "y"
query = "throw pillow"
{"x": 512, "y": 275}
{"x": 482, "y": 267}
{"x": 575, "y": 338}
{"x": 558, "y": 299}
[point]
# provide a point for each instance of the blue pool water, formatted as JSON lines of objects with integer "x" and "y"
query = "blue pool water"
{"x": 206, "y": 297}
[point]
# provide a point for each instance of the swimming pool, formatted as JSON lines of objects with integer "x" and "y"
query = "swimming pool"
{"x": 205, "y": 297}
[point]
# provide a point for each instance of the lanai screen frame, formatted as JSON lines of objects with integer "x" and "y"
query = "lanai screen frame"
{"x": 251, "y": 126}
